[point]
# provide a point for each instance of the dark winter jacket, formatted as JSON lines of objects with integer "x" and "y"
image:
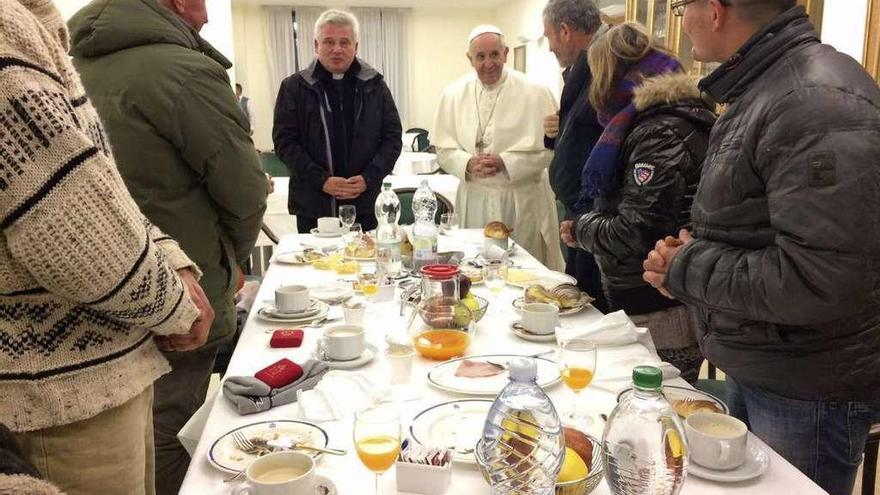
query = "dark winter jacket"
{"x": 179, "y": 137}
{"x": 579, "y": 130}
{"x": 660, "y": 169}
{"x": 302, "y": 140}
{"x": 785, "y": 269}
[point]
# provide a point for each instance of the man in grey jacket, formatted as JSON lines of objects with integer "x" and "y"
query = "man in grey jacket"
{"x": 783, "y": 268}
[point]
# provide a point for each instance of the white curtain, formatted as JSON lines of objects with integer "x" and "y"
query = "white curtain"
{"x": 383, "y": 44}
{"x": 305, "y": 34}
{"x": 280, "y": 44}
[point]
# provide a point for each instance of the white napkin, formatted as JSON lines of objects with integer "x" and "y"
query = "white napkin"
{"x": 339, "y": 394}
{"x": 493, "y": 252}
{"x": 615, "y": 364}
{"x": 610, "y": 330}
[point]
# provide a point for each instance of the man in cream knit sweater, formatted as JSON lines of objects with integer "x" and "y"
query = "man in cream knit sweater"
{"x": 86, "y": 283}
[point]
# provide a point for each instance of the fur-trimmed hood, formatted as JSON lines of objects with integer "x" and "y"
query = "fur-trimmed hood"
{"x": 666, "y": 89}
{"x": 20, "y": 484}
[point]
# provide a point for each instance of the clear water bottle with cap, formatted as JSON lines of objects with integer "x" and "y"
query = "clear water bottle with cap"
{"x": 388, "y": 234}
{"x": 523, "y": 445}
{"x": 644, "y": 446}
{"x": 424, "y": 239}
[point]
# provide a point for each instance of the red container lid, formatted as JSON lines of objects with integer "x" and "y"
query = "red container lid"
{"x": 440, "y": 272}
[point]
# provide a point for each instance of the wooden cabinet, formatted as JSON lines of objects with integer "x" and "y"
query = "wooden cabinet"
{"x": 871, "y": 58}
{"x": 666, "y": 28}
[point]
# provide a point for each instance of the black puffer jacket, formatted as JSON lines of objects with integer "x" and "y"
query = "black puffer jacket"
{"x": 785, "y": 268}
{"x": 659, "y": 173}
{"x": 301, "y": 133}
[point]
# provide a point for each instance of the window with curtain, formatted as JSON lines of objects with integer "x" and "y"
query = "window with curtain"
{"x": 384, "y": 45}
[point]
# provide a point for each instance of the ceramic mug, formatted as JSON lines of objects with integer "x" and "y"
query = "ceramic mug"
{"x": 540, "y": 318}
{"x": 716, "y": 441}
{"x": 343, "y": 342}
{"x": 281, "y": 473}
{"x": 329, "y": 225}
{"x": 292, "y": 298}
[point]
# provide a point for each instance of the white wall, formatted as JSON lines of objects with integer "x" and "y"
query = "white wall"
{"x": 522, "y": 24}
{"x": 438, "y": 50}
{"x": 844, "y": 28}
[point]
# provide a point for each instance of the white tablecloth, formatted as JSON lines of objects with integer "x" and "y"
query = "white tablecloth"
{"x": 492, "y": 336}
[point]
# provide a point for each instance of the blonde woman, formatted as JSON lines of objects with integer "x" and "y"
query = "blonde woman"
{"x": 641, "y": 177}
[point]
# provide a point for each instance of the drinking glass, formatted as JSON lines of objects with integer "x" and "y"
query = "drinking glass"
{"x": 448, "y": 222}
{"x": 352, "y": 235}
{"x": 495, "y": 276}
{"x": 369, "y": 283}
{"x": 577, "y": 365}
{"x": 377, "y": 439}
{"x": 347, "y": 215}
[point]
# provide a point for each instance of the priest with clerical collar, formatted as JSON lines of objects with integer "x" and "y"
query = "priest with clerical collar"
{"x": 489, "y": 133}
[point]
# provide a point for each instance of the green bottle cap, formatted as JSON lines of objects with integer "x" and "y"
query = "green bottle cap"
{"x": 647, "y": 377}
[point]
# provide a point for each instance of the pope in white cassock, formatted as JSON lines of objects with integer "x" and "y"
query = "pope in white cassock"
{"x": 489, "y": 133}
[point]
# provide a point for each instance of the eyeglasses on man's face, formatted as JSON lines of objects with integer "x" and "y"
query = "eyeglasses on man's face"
{"x": 678, "y": 6}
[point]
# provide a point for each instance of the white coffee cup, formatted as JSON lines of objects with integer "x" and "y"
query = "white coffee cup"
{"x": 343, "y": 342}
{"x": 716, "y": 441}
{"x": 292, "y": 298}
{"x": 354, "y": 311}
{"x": 281, "y": 473}
{"x": 540, "y": 318}
{"x": 329, "y": 225}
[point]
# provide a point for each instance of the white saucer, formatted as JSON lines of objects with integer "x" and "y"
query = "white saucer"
{"x": 325, "y": 235}
{"x": 370, "y": 352}
{"x": 524, "y": 334}
{"x": 322, "y": 481}
{"x": 313, "y": 309}
{"x": 757, "y": 461}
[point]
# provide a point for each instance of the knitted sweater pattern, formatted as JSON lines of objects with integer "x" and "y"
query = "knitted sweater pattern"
{"x": 85, "y": 279}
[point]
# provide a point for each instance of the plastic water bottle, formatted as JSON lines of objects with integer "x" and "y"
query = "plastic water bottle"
{"x": 644, "y": 446}
{"x": 523, "y": 444}
{"x": 424, "y": 230}
{"x": 388, "y": 235}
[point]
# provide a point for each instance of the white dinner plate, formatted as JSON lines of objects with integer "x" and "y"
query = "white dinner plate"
{"x": 263, "y": 315}
{"x": 674, "y": 393}
{"x": 225, "y": 456}
{"x": 517, "y": 328}
{"x": 290, "y": 258}
{"x": 519, "y": 301}
{"x": 757, "y": 462}
{"x": 369, "y": 353}
{"x": 443, "y": 376}
{"x": 547, "y": 278}
{"x": 456, "y": 424}
{"x": 325, "y": 235}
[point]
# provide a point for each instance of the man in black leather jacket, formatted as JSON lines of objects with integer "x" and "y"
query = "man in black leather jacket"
{"x": 570, "y": 26}
{"x": 783, "y": 268}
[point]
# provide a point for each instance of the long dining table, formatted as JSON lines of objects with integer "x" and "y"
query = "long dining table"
{"x": 492, "y": 335}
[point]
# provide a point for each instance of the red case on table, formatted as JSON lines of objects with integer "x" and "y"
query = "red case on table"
{"x": 286, "y": 338}
{"x": 282, "y": 372}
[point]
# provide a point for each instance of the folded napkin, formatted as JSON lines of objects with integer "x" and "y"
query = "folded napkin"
{"x": 493, "y": 252}
{"x": 251, "y": 395}
{"x": 339, "y": 393}
{"x": 615, "y": 364}
{"x": 612, "y": 329}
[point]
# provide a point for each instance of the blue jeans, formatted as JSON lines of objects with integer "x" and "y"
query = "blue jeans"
{"x": 825, "y": 439}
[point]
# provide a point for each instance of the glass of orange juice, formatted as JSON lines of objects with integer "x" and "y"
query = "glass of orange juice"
{"x": 577, "y": 365}
{"x": 377, "y": 439}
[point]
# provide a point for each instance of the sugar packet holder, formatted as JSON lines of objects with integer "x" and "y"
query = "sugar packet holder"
{"x": 427, "y": 471}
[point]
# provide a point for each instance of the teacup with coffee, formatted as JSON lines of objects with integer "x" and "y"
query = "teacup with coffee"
{"x": 329, "y": 225}
{"x": 292, "y": 298}
{"x": 716, "y": 441}
{"x": 540, "y": 318}
{"x": 343, "y": 342}
{"x": 281, "y": 473}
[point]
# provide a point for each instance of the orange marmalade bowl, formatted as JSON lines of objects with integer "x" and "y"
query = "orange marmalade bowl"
{"x": 441, "y": 344}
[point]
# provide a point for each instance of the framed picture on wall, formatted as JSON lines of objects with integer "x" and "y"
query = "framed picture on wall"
{"x": 519, "y": 58}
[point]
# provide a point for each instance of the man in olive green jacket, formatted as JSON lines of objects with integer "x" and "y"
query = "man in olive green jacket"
{"x": 181, "y": 143}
